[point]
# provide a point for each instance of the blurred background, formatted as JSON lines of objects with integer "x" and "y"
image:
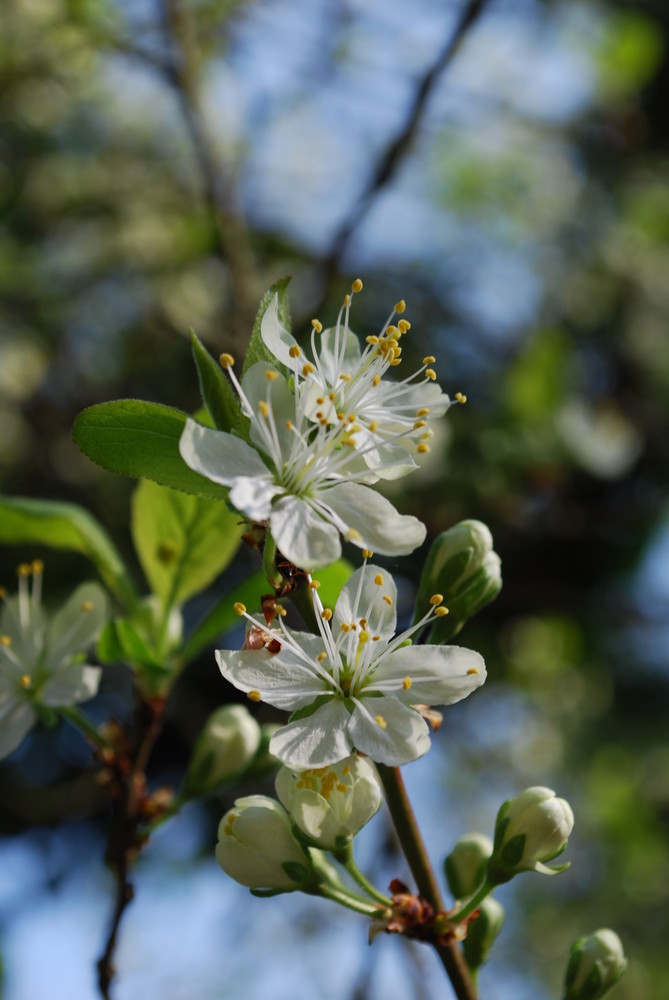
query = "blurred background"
{"x": 501, "y": 165}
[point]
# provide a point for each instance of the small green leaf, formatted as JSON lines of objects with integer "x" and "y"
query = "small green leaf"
{"x": 256, "y": 350}
{"x": 66, "y": 526}
{"x": 135, "y": 438}
{"x": 223, "y": 616}
{"x": 183, "y": 542}
{"x": 217, "y": 394}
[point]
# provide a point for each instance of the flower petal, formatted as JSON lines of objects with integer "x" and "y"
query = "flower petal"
{"x": 361, "y": 597}
{"x": 439, "y": 675}
{"x": 275, "y": 336}
{"x": 77, "y": 624}
{"x": 388, "y": 731}
{"x": 276, "y": 394}
{"x": 217, "y": 455}
{"x": 315, "y": 741}
{"x": 280, "y": 681}
{"x": 369, "y": 520}
{"x": 302, "y": 535}
{"x": 252, "y": 495}
{"x": 329, "y": 353}
{"x": 71, "y": 685}
{"x": 15, "y": 727}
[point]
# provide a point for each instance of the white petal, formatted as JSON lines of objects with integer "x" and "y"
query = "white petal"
{"x": 375, "y": 522}
{"x": 439, "y": 675}
{"x": 405, "y": 736}
{"x": 275, "y": 336}
{"x": 252, "y": 495}
{"x": 362, "y": 597}
{"x": 15, "y": 727}
{"x": 219, "y": 456}
{"x": 280, "y": 681}
{"x": 316, "y": 741}
{"x": 387, "y": 459}
{"x": 71, "y": 685}
{"x": 276, "y": 393}
{"x": 302, "y": 535}
{"x": 329, "y": 360}
{"x": 73, "y": 628}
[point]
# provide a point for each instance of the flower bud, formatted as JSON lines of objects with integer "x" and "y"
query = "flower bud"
{"x": 256, "y": 846}
{"x": 483, "y": 932}
{"x": 465, "y": 866}
{"x": 331, "y": 804}
{"x": 462, "y": 566}
{"x": 596, "y": 963}
{"x": 225, "y": 748}
{"x": 531, "y": 829}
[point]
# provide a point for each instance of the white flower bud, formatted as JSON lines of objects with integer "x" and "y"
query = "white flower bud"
{"x": 225, "y": 748}
{"x": 530, "y": 829}
{"x": 596, "y": 963}
{"x": 465, "y": 866}
{"x": 331, "y": 804}
{"x": 483, "y": 932}
{"x": 256, "y": 846}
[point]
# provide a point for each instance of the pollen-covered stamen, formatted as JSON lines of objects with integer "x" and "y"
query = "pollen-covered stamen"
{"x": 23, "y": 572}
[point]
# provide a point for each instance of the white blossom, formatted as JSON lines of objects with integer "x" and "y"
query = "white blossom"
{"x": 354, "y": 685}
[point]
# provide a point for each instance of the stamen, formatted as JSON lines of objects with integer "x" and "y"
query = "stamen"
{"x": 367, "y": 554}
{"x": 380, "y": 721}
{"x": 254, "y": 695}
{"x": 357, "y": 285}
{"x": 429, "y": 360}
{"x": 317, "y": 325}
{"x": 441, "y": 612}
{"x": 472, "y": 670}
{"x": 400, "y": 306}
{"x": 406, "y": 683}
{"x": 26, "y": 681}
{"x": 422, "y": 449}
{"x": 423, "y": 412}
{"x": 264, "y": 408}
{"x": 326, "y": 613}
{"x": 226, "y": 360}
{"x": 378, "y": 580}
{"x": 5, "y": 640}
{"x": 388, "y": 600}
{"x": 294, "y": 351}
{"x": 437, "y": 599}
{"x": 271, "y": 375}
{"x": 240, "y": 609}
{"x": 87, "y": 606}
{"x": 431, "y": 374}
{"x": 460, "y": 396}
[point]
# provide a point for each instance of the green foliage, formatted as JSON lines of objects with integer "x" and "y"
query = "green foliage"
{"x": 183, "y": 541}
{"x": 222, "y": 616}
{"x": 135, "y": 438}
{"x": 66, "y": 526}
{"x": 218, "y": 397}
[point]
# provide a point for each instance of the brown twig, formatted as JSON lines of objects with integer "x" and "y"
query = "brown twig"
{"x": 400, "y": 143}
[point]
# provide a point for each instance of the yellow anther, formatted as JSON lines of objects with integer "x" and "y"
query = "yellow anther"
{"x": 264, "y": 408}
{"x": 322, "y": 657}
{"x": 239, "y": 608}
{"x": 404, "y": 326}
{"x": 357, "y": 285}
{"x": 294, "y": 351}
{"x": 37, "y": 566}
{"x": 441, "y": 612}
{"x": 281, "y": 611}
{"x": 343, "y": 788}
{"x": 422, "y": 449}
{"x": 373, "y": 426}
{"x": 419, "y": 423}
{"x": 437, "y": 599}
{"x": 271, "y": 375}
{"x": 319, "y": 415}
{"x": 431, "y": 374}
{"x": 308, "y": 369}
{"x": 87, "y": 606}
{"x": 331, "y": 397}
{"x": 429, "y": 359}
{"x": 400, "y": 306}
{"x": 320, "y": 400}
{"x": 375, "y": 638}
{"x": 5, "y": 640}
{"x": 345, "y": 627}
{"x": 378, "y": 580}
{"x": 363, "y": 637}
{"x": 327, "y": 614}
{"x": 427, "y": 436}
{"x": 395, "y": 362}
{"x": 406, "y": 683}
{"x": 351, "y": 444}
{"x": 341, "y": 416}
{"x": 25, "y": 569}
{"x": 472, "y": 670}
{"x": 351, "y": 418}
{"x": 423, "y": 412}
{"x": 289, "y": 425}
{"x": 372, "y": 339}
{"x": 317, "y": 325}
{"x": 460, "y": 396}
{"x": 226, "y": 360}
{"x": 314, "y": 584}
{"x": 254, "y": 695}
{"x": 388, "y": 600}
{"x": 391, "y": 330}
{"x": 380, "y": 721}
{"x": 345, "y": 378}
{"x": 353, "y": 535}
{"x": 367, "y": 553}
{"x": 376, "y": 380}
{"x": 26, "y": 681}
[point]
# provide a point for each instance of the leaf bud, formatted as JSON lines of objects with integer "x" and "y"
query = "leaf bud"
{"x": 596, "y": 963}
{"x": 530, "y": 829}
{"x": 466, "y": 865}
{"x": 225, "y": 748}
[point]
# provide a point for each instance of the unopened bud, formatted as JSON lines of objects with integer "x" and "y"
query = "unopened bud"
{"x": 596, "y": 963}
{"x": 225, "y": 748}
{"x": 466, "y": 865}
{"x": 331, "y": 804}
{"x": 483, "y": 932}
{"x": 256, "y": 847}
{"x": 530, "y": 829}
{"x": 462, "y": 566}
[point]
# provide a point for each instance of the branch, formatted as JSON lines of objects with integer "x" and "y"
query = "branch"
{"x": 400, "y": 144}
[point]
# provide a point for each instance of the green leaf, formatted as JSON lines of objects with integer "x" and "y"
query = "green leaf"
{"x": 183, "y": 542}
{"x": 217, "y": 394}
{"x": 121, "y": 642}
{"x": 135, "y": 438}
{"x": 332, "y": 580}
{"x": 256, "y": 350}
{"x": 66, "y": 526}
{"x": 223, "y": 616}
